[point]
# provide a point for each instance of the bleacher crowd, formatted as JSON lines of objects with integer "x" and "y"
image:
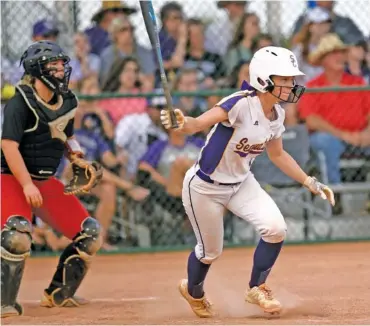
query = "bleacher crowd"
{"x": 143, "y": 162}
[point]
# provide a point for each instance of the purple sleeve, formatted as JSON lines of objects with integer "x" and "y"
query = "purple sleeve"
{"x": 102, "y": 146}
{"x": 229, "y": 103}
{"x": 197, "y": 141}
{"x": 154, "y": 153}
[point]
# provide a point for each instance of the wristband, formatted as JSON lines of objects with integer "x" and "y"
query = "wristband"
{"x": 73, "y": 147}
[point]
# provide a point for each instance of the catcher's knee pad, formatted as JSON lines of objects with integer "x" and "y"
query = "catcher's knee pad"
{"x": 89, "y": 240}
{"x": 16, "y": 243}
{"x": 73, "y": 265}
{"x": 275, "y": 232}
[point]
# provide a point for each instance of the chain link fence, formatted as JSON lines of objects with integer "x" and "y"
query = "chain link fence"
{"x": 207, "y": 46}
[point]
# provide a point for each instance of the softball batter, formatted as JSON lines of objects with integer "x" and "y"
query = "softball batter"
{"x": 244, "y": 125}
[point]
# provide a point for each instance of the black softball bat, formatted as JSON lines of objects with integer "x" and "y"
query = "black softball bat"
{"x": 147, "y": 11}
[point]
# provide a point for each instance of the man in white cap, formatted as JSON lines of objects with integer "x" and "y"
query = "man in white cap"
{"x": 343, "y": 26}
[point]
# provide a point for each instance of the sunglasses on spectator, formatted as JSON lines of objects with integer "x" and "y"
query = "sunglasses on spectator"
{"x": 159, "y": 107}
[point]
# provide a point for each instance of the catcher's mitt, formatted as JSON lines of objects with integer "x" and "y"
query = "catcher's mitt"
{"x": 86, "y": 175}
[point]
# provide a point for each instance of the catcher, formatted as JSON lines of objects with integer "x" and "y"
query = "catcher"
{"x": 37, "y": 131}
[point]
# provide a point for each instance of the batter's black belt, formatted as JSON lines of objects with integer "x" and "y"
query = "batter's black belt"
{"x": 206, "y": 178}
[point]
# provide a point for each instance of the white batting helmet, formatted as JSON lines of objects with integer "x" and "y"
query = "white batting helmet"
{"x": 274, "y": 61}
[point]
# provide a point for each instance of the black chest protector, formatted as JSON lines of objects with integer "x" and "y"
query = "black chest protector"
{"x": 42, "y": 146}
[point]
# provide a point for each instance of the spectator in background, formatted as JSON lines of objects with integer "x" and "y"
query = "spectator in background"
{"x": 210, "y": 66}
{"x": 261, "y": 41}
{"x": 84, "y": 64}
{"x": 193, "y": 106}
{"x": 99, "y": 121}
{"x": 95, "y": 148}
{"x": 98, "y": 33}
{"x": 166, "y": 162}
{"x": 224, "y": 30}
{"x": 46, "y": 30}
{"x": 241, "y": 46}
{"x": 124, "y": 45}
{"x": 367, "y": 56}
{"x": 342, "y": 26}
{"x": 317, "y": 24}
{"x": 136, "y": 132}
{"x": 43, "y": 235}
{"x": 240, "y": 74}
{"x": 173, "y": 38}
{"x": 335, "y": 120}
{"x": 187, "y": 81}
{"x": 356, "y": 60}
{"x": 126, "y": 79}
{"x": 10, "y": 75}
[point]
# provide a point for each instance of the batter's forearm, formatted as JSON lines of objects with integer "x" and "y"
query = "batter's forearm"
{"x": 15, "y": 162}
{"x": 290, "y": 167}
{"x": 191, "y": 126}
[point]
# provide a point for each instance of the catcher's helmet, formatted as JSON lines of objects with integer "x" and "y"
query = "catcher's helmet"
{"x": 35, "y": 59}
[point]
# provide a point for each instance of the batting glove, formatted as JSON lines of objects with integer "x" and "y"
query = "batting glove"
{"x": 319, "y": 188}
{"x": 166, "y": 118}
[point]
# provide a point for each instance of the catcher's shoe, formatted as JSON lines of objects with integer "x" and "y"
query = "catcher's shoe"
{"x": 55, "y": 300}
{"x": 11, "y": 311}
{"x": 262, "y": 296}
{"x": 201, "y": 307}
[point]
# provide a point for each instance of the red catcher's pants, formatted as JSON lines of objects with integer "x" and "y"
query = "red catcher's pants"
{"x": 63, "y": 213}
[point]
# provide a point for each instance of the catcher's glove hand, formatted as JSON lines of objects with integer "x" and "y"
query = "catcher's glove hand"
{"x": 86, "y": 175}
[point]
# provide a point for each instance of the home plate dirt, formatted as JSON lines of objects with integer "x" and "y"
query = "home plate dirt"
{"x": 317, "y": 284}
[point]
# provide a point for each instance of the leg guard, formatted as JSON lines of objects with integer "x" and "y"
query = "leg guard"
{"x": 15, "y": 248}
{"x": 72, "y": 268}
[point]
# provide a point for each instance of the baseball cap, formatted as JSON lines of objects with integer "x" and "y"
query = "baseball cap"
{"x": 157, "y": 101}
{"x": 45, "y": 27}
{"x": 317, "y": 15}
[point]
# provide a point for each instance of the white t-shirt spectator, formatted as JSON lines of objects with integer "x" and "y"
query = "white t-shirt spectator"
{"x": 134, "y": 133}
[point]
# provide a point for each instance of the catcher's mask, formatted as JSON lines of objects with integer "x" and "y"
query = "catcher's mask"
{"x": 295, "y": 94}
{"x": 35, "y": 60}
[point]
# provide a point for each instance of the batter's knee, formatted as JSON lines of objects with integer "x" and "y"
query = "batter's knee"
{"x": 275, "y": 232}
{"x": 89, "y": 240}
{"x": 207, "y": 256}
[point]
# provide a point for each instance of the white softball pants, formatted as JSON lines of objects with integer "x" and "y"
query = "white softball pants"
{"x": 206, "y": 203}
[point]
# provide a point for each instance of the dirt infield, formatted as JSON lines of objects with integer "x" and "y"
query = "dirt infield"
{"x": 318, "y": 284}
